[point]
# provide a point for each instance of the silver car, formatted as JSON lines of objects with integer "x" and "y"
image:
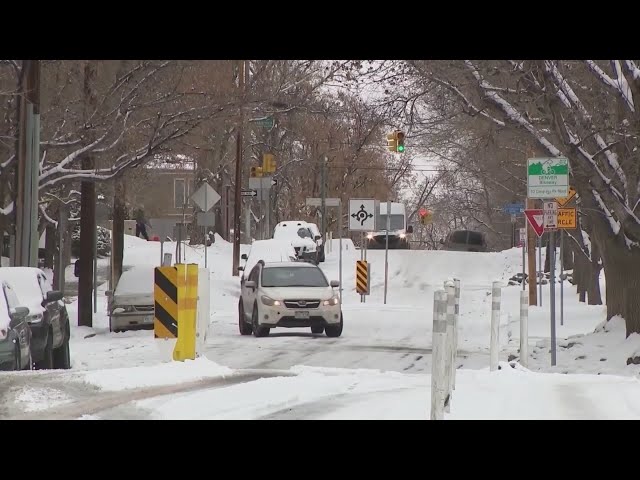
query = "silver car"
{"x": 131, "y": 305}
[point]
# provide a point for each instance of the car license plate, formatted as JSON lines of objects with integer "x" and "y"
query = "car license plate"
{"x": 301, "y": 314}
{"x": 148, "y": 319}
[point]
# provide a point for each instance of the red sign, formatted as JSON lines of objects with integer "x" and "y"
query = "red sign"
{"x": 535, "y": 218}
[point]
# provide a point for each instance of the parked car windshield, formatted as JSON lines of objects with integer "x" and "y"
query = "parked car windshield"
{"x": 293, "y": 277}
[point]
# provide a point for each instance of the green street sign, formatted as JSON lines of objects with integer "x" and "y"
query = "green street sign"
{"x": 547, "y": 177}
{"x": 265, "y": 122}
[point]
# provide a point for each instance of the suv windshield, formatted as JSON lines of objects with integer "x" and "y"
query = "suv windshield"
{"x": 293, "y": 277}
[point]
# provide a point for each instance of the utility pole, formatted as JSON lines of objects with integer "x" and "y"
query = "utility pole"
{"x": 531, "y": 255}
{"x": 87, "y": 216}
{"x": 323, "y": 196}
{"x": 237, "y": 207}
{"x": 28, "y": 172}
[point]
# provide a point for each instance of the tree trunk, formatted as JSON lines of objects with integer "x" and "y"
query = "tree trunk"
{"x": 567, "y": 251}
{"x": 87, "y": 241}
{"x": 49, "y": 245}
{"x": 593, "y": 284}
{"x": 119, "y": 214}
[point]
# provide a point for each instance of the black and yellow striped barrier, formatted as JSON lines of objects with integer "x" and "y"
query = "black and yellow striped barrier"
{"x": 176, "y": 298}
{"x": 363, "y": 277}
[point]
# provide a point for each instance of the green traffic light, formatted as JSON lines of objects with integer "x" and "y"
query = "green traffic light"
{"x": 401, "y": 148}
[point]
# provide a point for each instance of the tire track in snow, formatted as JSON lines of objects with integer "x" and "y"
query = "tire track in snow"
{"x": 99, "y": 401}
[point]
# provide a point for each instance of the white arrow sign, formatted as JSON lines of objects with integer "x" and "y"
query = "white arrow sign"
{"x": 362, "y": 214}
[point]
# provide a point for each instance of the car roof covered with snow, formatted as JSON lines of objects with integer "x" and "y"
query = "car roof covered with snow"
{"x": 270, "y": 250}
{"x": 138, "y": 280}
{"x": 24, "y": 281}
{"x": 289, "y": 264}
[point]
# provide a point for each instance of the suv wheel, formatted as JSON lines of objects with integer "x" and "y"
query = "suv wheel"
{"x": 334, "y": 330}
{"x": 258, "y": 330}
{"x": 62, "y": 355}
{"x": 47, "y": 356}
{"x": 245, "y": 328}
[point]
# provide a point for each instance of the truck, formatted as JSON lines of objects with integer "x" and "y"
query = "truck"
{"x": 399, "y": 231}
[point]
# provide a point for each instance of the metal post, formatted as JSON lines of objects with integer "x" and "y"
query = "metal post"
{"x": 540, "y": 270}
{"x": 323, "y": 195}
{"x": 561, "y": 277}
{"x": 267, "y": 214}
{"x": 439, "y": 332}
{"x": 340, "y": 244}
{"x": 95, "y": 265}
{"x": 206, "y": 230}
{"x": 449, "y": 350}
{"x": 552, "y": 295}
{"x": 247, "y": 222}
{"x": 524, "y": 328}
{"x": 161, "y": 250}
{"x": 361, "y": 258}
{"x": 260, "y": 226}
{"x": 524, "y": 263}
{"x": 456, "y": 317}
{"x": 494, "y": 347}
{"x": 386, "y": 251}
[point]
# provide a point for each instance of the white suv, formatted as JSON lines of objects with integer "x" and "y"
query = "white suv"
{"x": 289, "y": 294}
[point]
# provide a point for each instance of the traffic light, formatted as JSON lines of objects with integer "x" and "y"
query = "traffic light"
{"x": 255, "y": 172}
{"x": 392, "y": 142}
{"x": 395, "y": 141}
{"x": 400, "y": 142}
{"x": 425, "y": 216}
{"x": 268, "y": 163}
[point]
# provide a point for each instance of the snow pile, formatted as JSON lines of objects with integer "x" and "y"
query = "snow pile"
{"x": 37, "y": 399}
{"x": 156, "y": 375}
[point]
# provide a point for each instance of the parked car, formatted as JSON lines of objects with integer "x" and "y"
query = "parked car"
{"x": 47, "y": 318}
{"x": 465, "y": 241}
{"x": 303, "y": 241}
{"x": 269, "y": 250}
{"x": 319, "y": 242}
{"x": 131, "y": 305}
{"x": 15, "y": 334}
{"x": 291, "y": 295}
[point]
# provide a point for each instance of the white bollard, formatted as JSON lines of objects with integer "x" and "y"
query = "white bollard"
{"x": 494, "y": 347}
{"x": 437, "y": 355}
{"x": 202, "y": 311}
{"x": 524, "y": 328}
{"x": 450, "y": 354}
{"x": 456, "y": 316}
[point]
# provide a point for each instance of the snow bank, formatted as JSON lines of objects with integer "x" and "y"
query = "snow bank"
{"x": 157, "y": 375}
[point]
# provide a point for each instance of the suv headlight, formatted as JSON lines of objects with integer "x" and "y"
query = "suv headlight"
{"x": 332, "y": 301}
{"x": 270, "y": 302}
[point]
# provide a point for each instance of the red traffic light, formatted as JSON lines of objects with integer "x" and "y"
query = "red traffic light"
{"x": 423, "y": 211}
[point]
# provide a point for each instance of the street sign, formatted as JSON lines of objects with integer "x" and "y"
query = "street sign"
{"x": 563, "y": 201}
{"x": 206, "y": 219}
{"x": 266, "y": 122}
{"x": 567, "y": 218}
{"x": 513, "y": 208}
{"x": 317, "y": 202}
{"x": 535, "y": 219}
{"x": 547, "y": 177}
{"x": 205, "y": 197}
{"x": 523, "y": 236}
{"x": 248, "y": 193}
{"x": 362, "y": 214}
{"x": 550, "y": 215}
